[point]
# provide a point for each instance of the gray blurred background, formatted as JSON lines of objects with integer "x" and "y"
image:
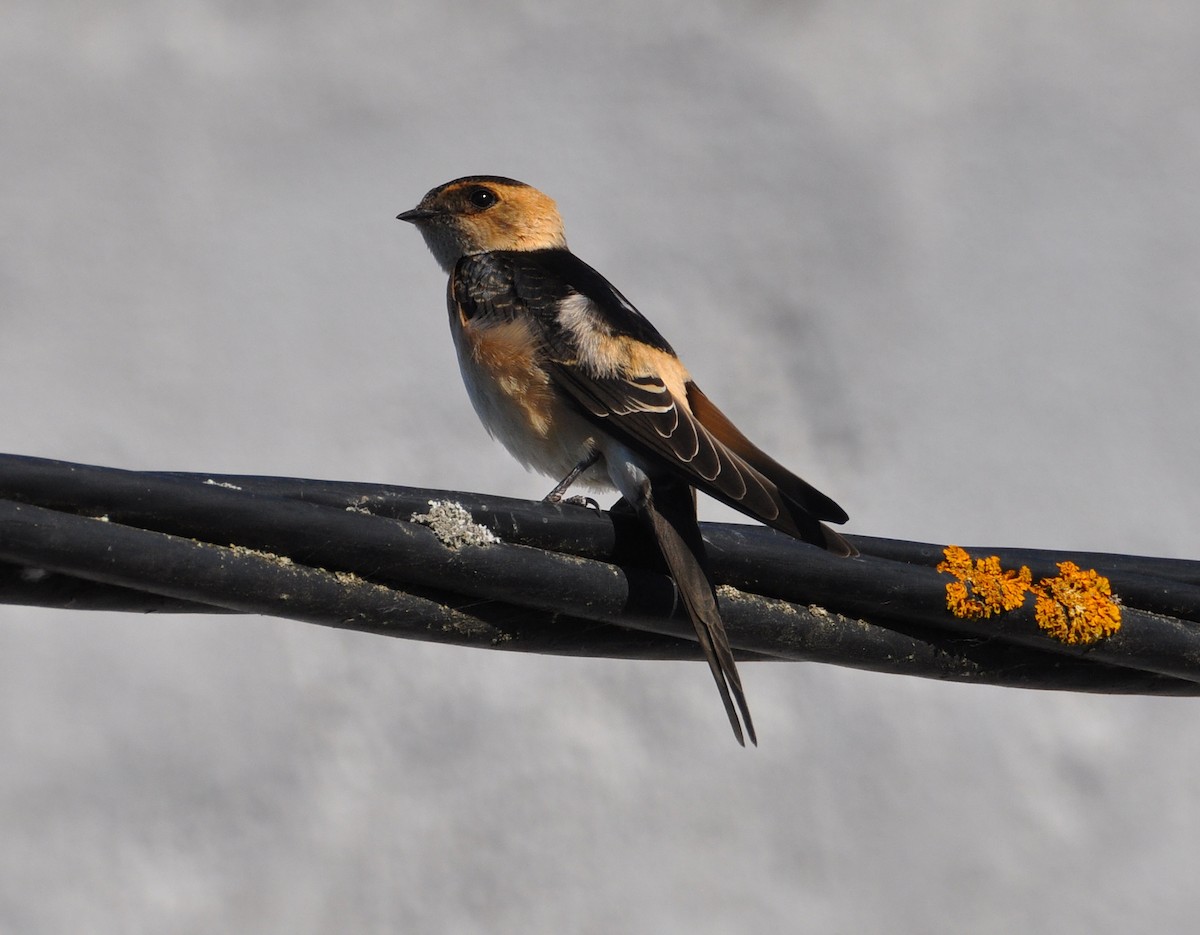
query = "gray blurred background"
{"x": 943, "y": 259}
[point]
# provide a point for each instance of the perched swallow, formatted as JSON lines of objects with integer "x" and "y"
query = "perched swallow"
{"x": 577, "y": 384}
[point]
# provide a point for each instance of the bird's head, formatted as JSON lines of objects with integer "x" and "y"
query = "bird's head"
{"x": 482, "y": 213}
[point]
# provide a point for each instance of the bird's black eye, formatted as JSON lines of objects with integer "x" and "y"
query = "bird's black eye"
{"x": 482, "y": 198}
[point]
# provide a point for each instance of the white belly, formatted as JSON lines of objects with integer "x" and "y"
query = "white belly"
{"x": 519, "y": 406}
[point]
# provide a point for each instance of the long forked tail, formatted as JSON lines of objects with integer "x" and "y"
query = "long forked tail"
{"x": 669, "y": 509}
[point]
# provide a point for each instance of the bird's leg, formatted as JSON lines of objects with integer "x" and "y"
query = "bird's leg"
{"x": 556, "y": 495}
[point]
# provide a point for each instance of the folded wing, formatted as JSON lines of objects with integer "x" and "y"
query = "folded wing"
{"x": 695, "y": 441}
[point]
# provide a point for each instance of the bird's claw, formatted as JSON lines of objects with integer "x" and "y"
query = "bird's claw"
{"x": 586, "y": 502}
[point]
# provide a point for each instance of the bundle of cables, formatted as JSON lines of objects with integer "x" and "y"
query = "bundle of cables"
{"x": 493, "y": 572}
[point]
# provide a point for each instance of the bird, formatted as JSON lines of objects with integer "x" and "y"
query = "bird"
{"x": 577, "y": 384}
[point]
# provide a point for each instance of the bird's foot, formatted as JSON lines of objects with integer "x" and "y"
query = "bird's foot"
{"x": 585, "y": 502}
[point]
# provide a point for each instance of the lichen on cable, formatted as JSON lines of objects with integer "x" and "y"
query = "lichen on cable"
{"x": 1076, "y": 607}
{"x": 453, "y": 525}
{"x": 982, "y": 588}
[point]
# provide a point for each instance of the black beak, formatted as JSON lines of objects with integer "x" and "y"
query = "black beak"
{"x": 415, "y": 216}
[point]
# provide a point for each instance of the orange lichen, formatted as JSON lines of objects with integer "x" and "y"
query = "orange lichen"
{"x": 1076, "y": 607}
{"x": 982, "y": 588}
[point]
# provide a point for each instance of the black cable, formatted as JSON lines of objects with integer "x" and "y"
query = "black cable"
{"x": 562, "y": 579}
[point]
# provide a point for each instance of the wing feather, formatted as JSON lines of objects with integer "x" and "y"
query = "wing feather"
{"x": 680, "y": 441}
{"x": 623, "y": 376}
